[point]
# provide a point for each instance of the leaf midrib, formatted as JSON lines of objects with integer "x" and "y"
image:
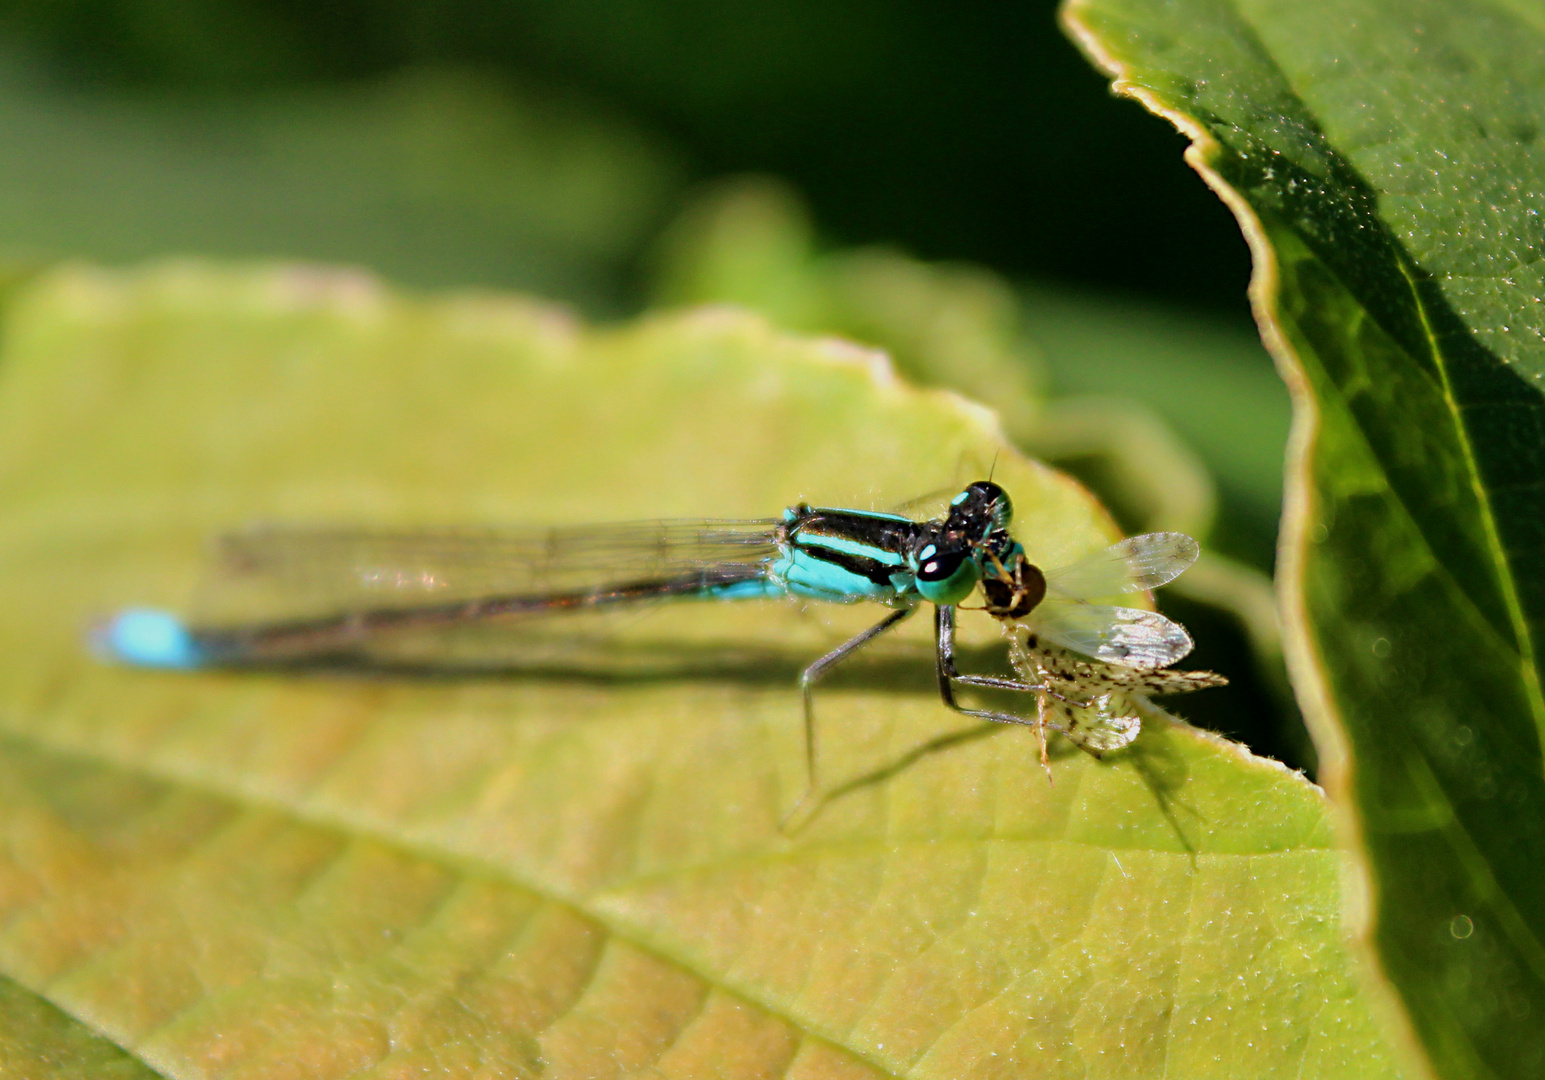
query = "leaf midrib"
{"x": 440, "y": 857}
{"x": 1522, "y": 630}
{"x": 1524, "y": 646}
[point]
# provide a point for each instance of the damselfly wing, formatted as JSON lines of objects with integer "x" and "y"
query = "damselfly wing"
{"x": 457, "y": 598}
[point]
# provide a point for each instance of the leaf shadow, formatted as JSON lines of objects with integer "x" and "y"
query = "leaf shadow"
{"x": 895, "y": 670}
{"x": 1165, "y": 773}
{"x": 899, "y": 670}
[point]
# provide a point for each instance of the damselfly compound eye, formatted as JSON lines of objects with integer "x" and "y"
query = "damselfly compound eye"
{"x": 942, "y": 566}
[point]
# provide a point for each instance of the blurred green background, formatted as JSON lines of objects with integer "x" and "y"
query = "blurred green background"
{"x": 959, "y": 131}
{"x": 550, "y": 146}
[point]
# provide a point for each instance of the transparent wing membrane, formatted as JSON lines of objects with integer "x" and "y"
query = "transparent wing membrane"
{"x": 1133, "y": 565}
{"x": 269, "y": 572}
{"x": 458, "y": 598}
{"x": 927, "y": 506}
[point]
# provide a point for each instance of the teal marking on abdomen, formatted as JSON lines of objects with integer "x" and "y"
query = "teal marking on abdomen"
{"x": 150, "y": 638}
{"x": 759, "y": 589}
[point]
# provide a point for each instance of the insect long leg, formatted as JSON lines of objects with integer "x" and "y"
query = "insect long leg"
{"x": 944, "y": 636}
{"x": 818, "y": 670}
{"x": 944, "y": 639}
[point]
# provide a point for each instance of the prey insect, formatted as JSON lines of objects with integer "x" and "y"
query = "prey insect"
{"x": 349, "y": 595}
{"x": 1093, "y": 666}
{"x": 1099, "y": 706}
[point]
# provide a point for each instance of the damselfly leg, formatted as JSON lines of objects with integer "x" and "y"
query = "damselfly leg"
{"x": 950, "y": 677}
{"x": 816, "y": 671}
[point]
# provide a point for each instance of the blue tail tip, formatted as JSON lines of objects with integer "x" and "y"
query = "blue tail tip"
{"x": 147, "y": 637}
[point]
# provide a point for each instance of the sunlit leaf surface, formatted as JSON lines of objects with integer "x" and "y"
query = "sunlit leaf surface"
{"x": 1387, "y": 163}
{"x": 560, "y": 872}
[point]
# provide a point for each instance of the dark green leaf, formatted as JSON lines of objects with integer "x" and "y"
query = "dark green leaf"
{"x": 1385, "y": 159}
{"x": 38, "y": 1042}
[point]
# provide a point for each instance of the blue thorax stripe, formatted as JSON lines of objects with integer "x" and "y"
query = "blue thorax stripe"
{"x": 810, "y": 538}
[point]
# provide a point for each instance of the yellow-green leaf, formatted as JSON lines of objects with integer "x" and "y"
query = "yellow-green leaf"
{"x": 574, "y": 873}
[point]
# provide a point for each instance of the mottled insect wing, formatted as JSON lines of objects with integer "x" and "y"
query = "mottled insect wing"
{"x": 1098, "y": 706}
{"x": 1107, "y": 723}
{"x": 1131, "y": 637}
{"x": 1176, "y": 682}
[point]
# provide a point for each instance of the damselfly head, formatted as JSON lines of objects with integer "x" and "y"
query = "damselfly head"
{"x": 980, "y": 510}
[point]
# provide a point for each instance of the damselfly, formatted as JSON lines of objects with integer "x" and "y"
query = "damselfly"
{"x": 349, "y": 595}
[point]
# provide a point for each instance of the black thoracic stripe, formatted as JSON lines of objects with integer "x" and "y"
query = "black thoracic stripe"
{"x": 861, "y": 565}
{"x": 885, "y": 533}
{"x": 892, "y": 535}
